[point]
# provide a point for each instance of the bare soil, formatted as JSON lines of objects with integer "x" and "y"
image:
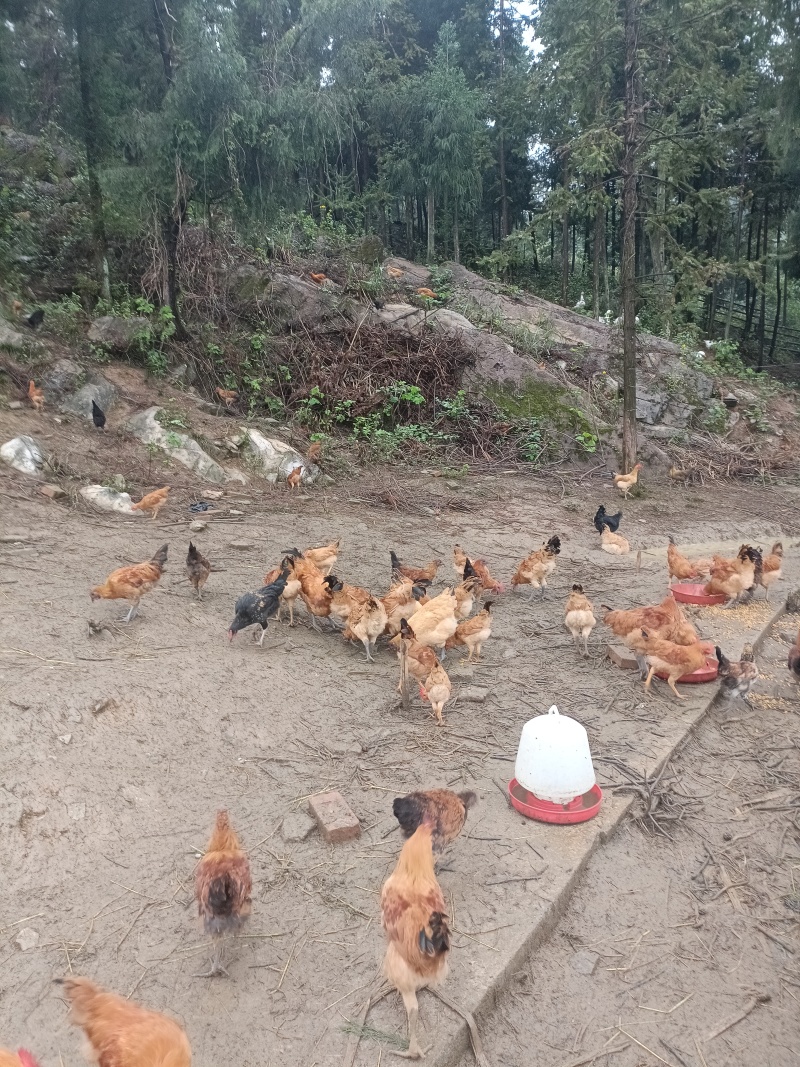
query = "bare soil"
{"x": 106, "y": 806}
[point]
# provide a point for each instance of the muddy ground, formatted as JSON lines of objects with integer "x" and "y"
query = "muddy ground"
{"x": 104, "y": 812}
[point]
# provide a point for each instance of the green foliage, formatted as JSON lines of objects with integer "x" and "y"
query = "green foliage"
{"x": 715, "y": 417}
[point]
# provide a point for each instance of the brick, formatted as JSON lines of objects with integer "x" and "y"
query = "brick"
{"x": 55, "y": 492}
{"x": 336, "y": 819}
{"x": 622, "y": 657}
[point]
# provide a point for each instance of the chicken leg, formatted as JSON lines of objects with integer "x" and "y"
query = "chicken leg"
{"x": 415, "y": 1050}
{"x": 132, "y": 613}
{"x": 217, "y": 961}
{"x": 366, "y": 643}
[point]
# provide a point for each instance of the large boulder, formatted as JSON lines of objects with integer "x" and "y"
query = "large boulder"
{"x": 9, "y": 338}
{"x": 182, "y": 448}
{"x": 108, "y": 499}
{"x": 24, "y": 454}
{"x": 275, "y": 460}
{"x": 118, "y": 333}
{"x": 97, "y": 389}
{"x": 401, "y": 271}
{"x": 63, "y": 377}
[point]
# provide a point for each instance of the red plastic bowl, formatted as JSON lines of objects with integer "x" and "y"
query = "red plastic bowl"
{"x": 578, "y": 810}
{"x": 702, "y": 674}
{"x": 692, "y": 593}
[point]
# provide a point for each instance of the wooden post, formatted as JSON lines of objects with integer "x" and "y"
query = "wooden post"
{"x": 628, "y": 259}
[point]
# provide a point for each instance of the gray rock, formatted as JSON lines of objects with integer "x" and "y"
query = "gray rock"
{"x": 107, "y": 499}
{"x": 11, "y": 339}
{"x": 10, "y": 809}
{"x": 678, "y": 414}
{"x": 584, "y": 961}
{"x": 26, "y": 940}
{"x": 76, "y": 812}
{"x": 297, "y": 826}
{"x": 97, "y": 389}
{"x": 14, "y": 405}
{"x": 23, "y": 454}
{"x": 275, "y": 460}
{"x": 118, "y": 333}
{"x": 473, "y": 694}
{"x": 663, "y": 433}
{"x": 63, "y": 377}
{"x": 650, "y": 405}
{"x": 198, "y": 526}
{"x": 414, "y": 275}
{"x": 182, "y": 448}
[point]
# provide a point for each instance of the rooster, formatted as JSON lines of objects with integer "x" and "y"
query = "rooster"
{"x": 98, "y": 416}
{"x": 626, "y": 482}
{"x": 535, "y": 568}
{"x": 579, "y": 617}
{"x": 446, "y": 811}
{"x": 36, "y": 396}
{"x": 415, "y": 923}
{"x": 419, "y": 575}
{"x": 197, "y": 569}
{"x": 154, "y": 501}
{"x": 601, "y": 520}
{"x": 222, "y": 888}
{"x": 737, "y": 678}
{"x": 131, "y": 583}
{"x": 256, "y": 609}
{"x": 122, "y": 1034}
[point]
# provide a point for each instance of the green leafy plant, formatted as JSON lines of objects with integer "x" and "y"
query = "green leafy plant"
{"x": 587, "y": 441}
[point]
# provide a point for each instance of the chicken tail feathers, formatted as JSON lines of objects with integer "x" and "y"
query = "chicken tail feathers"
{"x": 722, "y": 659}
{"x": 468, "y": 799}
{"x": 160, "y": 556}
{"x": 437, "y": 942}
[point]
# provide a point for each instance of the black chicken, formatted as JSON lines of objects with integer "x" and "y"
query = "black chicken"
{"x": 737, "y": 678}
{"x": 98, "y": 416}
{"x": 601, "y": 519}
{"x": 35, "y": 319}
{"x": 447, "y": 811}
{"x": 256, "y": 609}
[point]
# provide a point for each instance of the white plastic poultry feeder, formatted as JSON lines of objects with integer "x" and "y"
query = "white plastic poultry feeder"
{"x": 554, "y": 779}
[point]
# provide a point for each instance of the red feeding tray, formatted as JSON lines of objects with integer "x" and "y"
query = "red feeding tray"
{"x": 702, "y": 674}
{"x": 692, "y": 593}
{"x": 578, "y": 810}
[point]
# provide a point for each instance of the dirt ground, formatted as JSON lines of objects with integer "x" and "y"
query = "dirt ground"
{"x": 105, "y": 807}
{"x": 668, "y": 941}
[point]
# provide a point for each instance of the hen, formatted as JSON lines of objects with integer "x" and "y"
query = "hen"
{"x": 419, "y": 575}
{"x": 793, "y": 662}
{"x": 671, "y": 659}
{"x": 772, "y": 566}
{"x": 227, "y": 396}
{"x": 538, "y": 566}
{"x": 197, "y": 569}
{"x": 435, "y": 621}
{"x": 682, "y": 568}
{"x": 415, "y": 923}
{"x": 416, "y": 659}
{"x": 314, "y": 454}
{"x": 737, "y": 678}
{"x": 292, "y": 589}
{"x": 437, "y": 689}
{"x": 98, "y": 416}
{"x": 626, "y": 482}
{"x": 479, "y": 570}
{"x": 579, "y": 617}
{"x": 256, "y": 609}
{"x": 343, "y": 598}
{"x": 473, "y": 633}
{"x": 222, "y": 887}
{"x": 446, "y": 811}
{"x": 734, "y": 577}
{"x": 399, "y": 603}
{"x": 154, "y": 501}
{"x": 122, "y": 1034}
{"x": 614, "y": 543}
{"x": 315, "y": 592}
{"x": 294, "y": 477}
{"x": 365, "y": 623}
{"x": 629, "y": 624}
{"x": 324, "y": 557}
{"x": 131, "y": 583}
{"x": 36, "y": 396}
{"x": 602, "y": 520}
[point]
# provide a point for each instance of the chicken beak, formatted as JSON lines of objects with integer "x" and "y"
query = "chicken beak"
{"x": 231, "y": 635}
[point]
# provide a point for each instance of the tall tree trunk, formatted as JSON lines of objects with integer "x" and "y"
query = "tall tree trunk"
{"x": 504, "y": 228}
{"x": 778, "y": 294}
{"x": 565, "y": 259}
{"x": 90, "y": 141}
{"x": 614, "y": 235}
{"x": 171, "y": 225}
{"x": 737, "y": 248}
{"x": 456, "y": 245}
{"x": 599, "y": 236}
{"x": 752, "y": 287}
{"x": 431, "y": 227}
{"x": 409, "y": 227}
{"x": 604, "y": 265}
{"x": 762, "y": 312}
{"x": 160, "y": 17}
{"x": 628, "y": 261}
{"x": 535, "y": 251}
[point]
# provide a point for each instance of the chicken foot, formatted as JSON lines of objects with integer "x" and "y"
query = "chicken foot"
{"x": 415, "y": 1049}
{"x": 217, "y": 961}
{"x": 133, "y": 612}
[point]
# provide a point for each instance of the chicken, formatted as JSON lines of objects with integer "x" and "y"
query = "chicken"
{"x": 154, "y": 501}
{"x": 314, "y": 452}
{"x": 734, "y": 577}
{"x": 626, "y": 482}
{"x": 227, "y": 396}
{"x": 36, "y": 396}
{"x": 294, "y": 477}
{"x": 419, "y": 575}
{"x": 98, "y": 416}
{"x": 122, "y": 1034}
{"x": 324, "y": 557}
{"x": 793, "y": 662}
{"x": 197, "y": 569}
{"x": 739, "y": 677}
{"x": 429, "y": 293}
{"x": 673, "y": 660}
{"x": 682, "y": 568}
{"x": 416, "y": 659}
{"x": 437, "y": 688}
{"x": 399, "y": 603}
{"x": 319, "y": 277}
{"x": 23, "y": 1058}
{"x": 365, "y": 623}
{"x": 473, "y": 633}
{"x": 579, "y": 617}
{"x": 536, "y": 567}
{"x": 446, "y": 811}
{"x": 771, "y": 568}
{"x": 291, "y": 591}
{"x": 614, "y": 543}
{"x": 394, "y": 272}
{"x": 35, "y": 319}
{"x": 629, "y": 624}
{"x": 131, "y": 583}
{"x": 344, "y": 598}
{"x": 479, "y": 568}
{"x": 315, "y": 593}
{"x": 415, "y": 923}
{"x": 256, "y": 609}
{"x": 602, "y": 520}
{"x": 465, "y": 598}
{"x": 435, "y": 621}
{"x": 222, "y": 888}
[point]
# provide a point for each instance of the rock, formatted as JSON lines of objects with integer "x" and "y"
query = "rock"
{"x": 182, "y": 448}
{"x": 325, "y": 480}
{"x": 97, "y": 389}
{"x": 118, "y": 333}
{"x": 243, "y": 546}
{"x": 26, "y": 940}
{"x": 622, "y": 657}
{"x": 63, "y": 377}
{"x": 414, "y": 275}
{"x": 76, "y": 812}
{"x": 663, "y": 433}
{"x": 10, "y": 809}
{"x": 336, "y": 819}
{"x": 11, "y": 339}
{"x": 54, "y": 492}
{"x": 65, "y": 738}
{"x": 23, "y": 454}
{"x": 678, "y": 414}
{"x": 473, "y": 694}
{"x": 610, "y": 386}
{"x": 197, "y": 526}
{"x": 584, "y": 961}
{"x": 650, "y": 405}
{"x": 108, "y": 499}
{"x": 296, "y": 827}
{"x": 14, "y": 405}
{"x": 276, "y": 460}
{"x": 103, "y": 705}
{"x": 233, "y": 511}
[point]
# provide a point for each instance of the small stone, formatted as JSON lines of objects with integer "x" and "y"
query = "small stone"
{"x": 103, "y": 705}
{"x": 197, "y": 526}
{"x": 473, "y": 694}
{"x": 622, "y": 657}
{"x": 510, "y": 653}
{"x": 243, "y": 546}
{"x": 76, "y": 812}
{"x": 561, "y": 364}
{"x": 26, "y": 940}
{"x": 297, "y": 826}
{"x": 14, "y": 405}
{"x": 213, "y": 494}
{"x": 65, "y": 738}
{"x": 325, "y": 479}
{"x": 57, "y": 419}
{"x": 585, "y": 962}
{"x": 452, "y": 485}
{"x": 54, "y": 492}
{"x": 233, "y": 511}
{"x": 336, "y": 819}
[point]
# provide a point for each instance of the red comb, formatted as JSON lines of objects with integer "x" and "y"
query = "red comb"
{"x": 26, "y": 1059}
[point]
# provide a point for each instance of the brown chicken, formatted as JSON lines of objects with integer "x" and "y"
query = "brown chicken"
{"x": 22, "y": 1058}
{"x": 614, "y": 543}
{"x": 154, "y": 501}
{"x": 424, "y": 291}
{"x": 395, "y": 272}
{"x": 315, "y": 593}
{"x": 435, "y": 621}
{"x": 314, "y": 452}
{"x": 324, "y": 557}
{"x": 344, "y": 597}
{"x": 629, "y": 624}
{"x": 415, "y": 923}
{"x": 626, "y": 482}
{"x": 198, "y": 569}
{"x": 793, "y": 662}
{"x": 36, "y": 396}
{"x": 445, "y": 810}
{"x": 227, "y": 396}
{"x": 222, "y": 888}
{"x": 131, "y": 583}
{"x": 682, "y": 568}
{"x": 671, "y": 659}
{"x": 535, "y": 568}
{"x": 291, "y": 591}
{"x": 122, "y": 1034}
{"x": 465, "y": 597}
{"x": 734, "y": 577}
{"x": 579, "y": 617}
{"x": 399, "y": 603}
{"x": 416, "y": 659}
{"x": 365, "y": 623}
{"x": 771, "y": 568}
{"x": 294, "y": 477}
{"x": 737, "y": 677}
{"x": 437, "y": 689}
{"x": 419, "y": 575}
{"x": 481, "y": 570}
{"x": 473, "y": 633}
{"x": 319, "y": 277}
